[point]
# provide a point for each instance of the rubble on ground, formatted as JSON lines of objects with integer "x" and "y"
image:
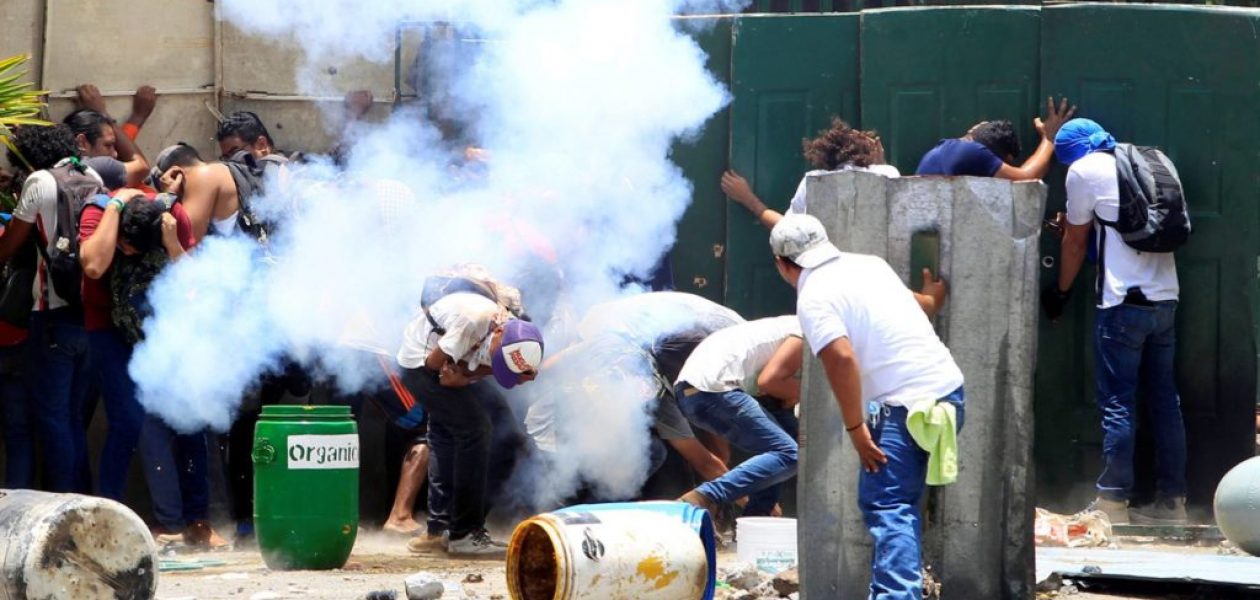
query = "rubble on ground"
{"x": 743, "y": 581}
{"x": 1089, "y": 528}
{"x": 787, "y": 582}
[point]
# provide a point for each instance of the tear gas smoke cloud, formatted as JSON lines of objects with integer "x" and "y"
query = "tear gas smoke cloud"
{"x": 578, "y": 103}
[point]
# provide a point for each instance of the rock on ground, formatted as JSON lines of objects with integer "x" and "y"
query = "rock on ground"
{"x": 787, "y": 582}
{"x": 424, "y": 586}
{"x": 741, "y": 576}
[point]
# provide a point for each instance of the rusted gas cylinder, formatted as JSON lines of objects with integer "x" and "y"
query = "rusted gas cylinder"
{"x": 70, "y": 546}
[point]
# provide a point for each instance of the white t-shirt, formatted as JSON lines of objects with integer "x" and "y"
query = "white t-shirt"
{"x": 1093, "y": 188}
{"x": 38, "y": 205}
{"x": 729, "y": 358}
{"x": 860, "y": 297}
{"x": 469, "y": 320}
{"x": 645, "y": 318}
{"x": 798, "y": 200}
{"x": 225, "y": 226}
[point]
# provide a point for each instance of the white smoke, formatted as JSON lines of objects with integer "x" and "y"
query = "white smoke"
{"x": 577, "y": 102}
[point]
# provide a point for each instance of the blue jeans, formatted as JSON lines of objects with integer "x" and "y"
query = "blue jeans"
{"x": 176, "y": 469}
{"x": 740, "y": 419}
{"x": 19, "y": 445}
{"x": 1134, "y": 345}
{"x": 110, "y": 356}
{"x": 60, "y": 365}
{"x": 889, "y": 500}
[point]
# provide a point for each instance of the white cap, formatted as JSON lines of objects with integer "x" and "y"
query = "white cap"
{"x": 803, "y": 240}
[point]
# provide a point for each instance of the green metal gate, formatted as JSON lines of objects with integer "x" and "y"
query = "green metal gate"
{"x": 1183, "y": 78}
{"x": 790, "y": 76}
{"x": 929, "y": 74}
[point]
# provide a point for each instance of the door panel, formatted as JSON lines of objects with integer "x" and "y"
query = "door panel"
{"x": 699, "y": 255}
{"x": 929, "y": 74}
{"x": 790, "y": 76}
{"x": 1175, "y": 89}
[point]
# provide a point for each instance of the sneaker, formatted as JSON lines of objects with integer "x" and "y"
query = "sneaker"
{"x": 199, "y": 534}
{"x": 698, "y": 500}
{"x": 723, "y": 519}
{"x": 244, "y": 539}
{"x": 429, "y": 543}
{"x": 478, "y": 542}
{"x": 1163, "y": 511}
{"x": 1117, "y": 511}
{"x": 165, "y": 537}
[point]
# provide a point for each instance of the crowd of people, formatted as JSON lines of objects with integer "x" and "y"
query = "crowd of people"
{"x": 711, "y": 379}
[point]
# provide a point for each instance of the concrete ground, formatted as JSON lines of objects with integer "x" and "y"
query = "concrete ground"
{"x": 381, "y": 562}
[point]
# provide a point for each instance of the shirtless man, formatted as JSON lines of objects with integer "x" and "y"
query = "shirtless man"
{"x": 206, "y": 190}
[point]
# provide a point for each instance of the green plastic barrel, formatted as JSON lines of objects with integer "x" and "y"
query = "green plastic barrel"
{"x": 306, "y": 486}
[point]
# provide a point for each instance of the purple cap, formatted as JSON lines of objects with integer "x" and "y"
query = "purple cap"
{"x": 520, "y": 352}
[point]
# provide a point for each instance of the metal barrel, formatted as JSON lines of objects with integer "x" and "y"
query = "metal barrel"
{"x": 632, "y": 551}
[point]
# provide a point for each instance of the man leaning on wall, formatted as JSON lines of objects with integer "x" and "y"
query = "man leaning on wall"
{"x": 1134, "y": 334}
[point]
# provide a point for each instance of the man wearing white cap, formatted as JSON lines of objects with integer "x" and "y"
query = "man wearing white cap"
{"x": 882, "y": 359}
{"x": 447, "y": 353}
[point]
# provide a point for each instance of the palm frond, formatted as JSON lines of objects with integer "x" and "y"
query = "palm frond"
{"x": 20, "y": 103}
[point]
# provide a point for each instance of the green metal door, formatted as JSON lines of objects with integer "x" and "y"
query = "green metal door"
{"x": 698, "y": 258}
{"x": 928, "y": 74}
{"x": 1184, "y": 79}
{"x": 790, "y": 76}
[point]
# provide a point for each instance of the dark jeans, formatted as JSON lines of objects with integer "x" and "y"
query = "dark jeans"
{"x": 110, "y": 355}
{"x": 1134, "y": 346}
{"x": 240, "y": 438}
{"x": 889, "y": 500}
{"x": 177, "y": 472}
{"x": 743, "y": 421}
{"x": 465, "y": 424}
{"x": 61, "y": 384}
{"x": 15, "y": 398}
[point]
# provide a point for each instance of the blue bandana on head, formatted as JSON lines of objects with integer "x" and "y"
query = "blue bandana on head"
{"x": 1079, "y": 137}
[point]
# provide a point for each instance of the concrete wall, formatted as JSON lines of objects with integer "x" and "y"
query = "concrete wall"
{"x": 978, "y": 536}
{"x": 200, "y": 67}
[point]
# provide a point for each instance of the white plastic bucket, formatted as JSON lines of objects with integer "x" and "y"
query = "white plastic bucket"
{"x": 618, "y": 552}
{"x": 767, "y": 543}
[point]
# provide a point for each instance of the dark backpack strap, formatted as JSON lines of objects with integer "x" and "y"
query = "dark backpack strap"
{"x": 1100, "y": 278}
{"x": 64, "y": 216}
{"x": 438, "y": 329}
{"x": 42, "y": 248}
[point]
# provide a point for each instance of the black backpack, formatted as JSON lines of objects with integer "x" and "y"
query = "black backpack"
{"x": 17, "y": 279}
{"x": 248, "y": 174}
{"x": 469, "y": 278}
{"x": 75, "y": 188}
{"x": 1152, "y": 215}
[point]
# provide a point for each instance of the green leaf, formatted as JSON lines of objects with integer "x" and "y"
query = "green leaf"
{"x": 20, "y": 103}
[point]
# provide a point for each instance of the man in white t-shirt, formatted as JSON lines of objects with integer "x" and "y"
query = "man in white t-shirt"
{"x": 715, "y": 391}
{"x": 640, "y": 341}
{"x": 882, "y": 358}
{"x": 840, "y": 148}
{"x": 1134, "y": 329}
{"x": 447, "y": 354}
{"x": 60, "y": 363}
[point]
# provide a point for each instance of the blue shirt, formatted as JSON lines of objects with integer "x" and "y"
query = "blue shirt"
{"x": 959, "y": 157}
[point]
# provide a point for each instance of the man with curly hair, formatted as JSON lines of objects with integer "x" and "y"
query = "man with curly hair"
{"x": 59, "y": 345}
{"x": 840, "y": 148}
